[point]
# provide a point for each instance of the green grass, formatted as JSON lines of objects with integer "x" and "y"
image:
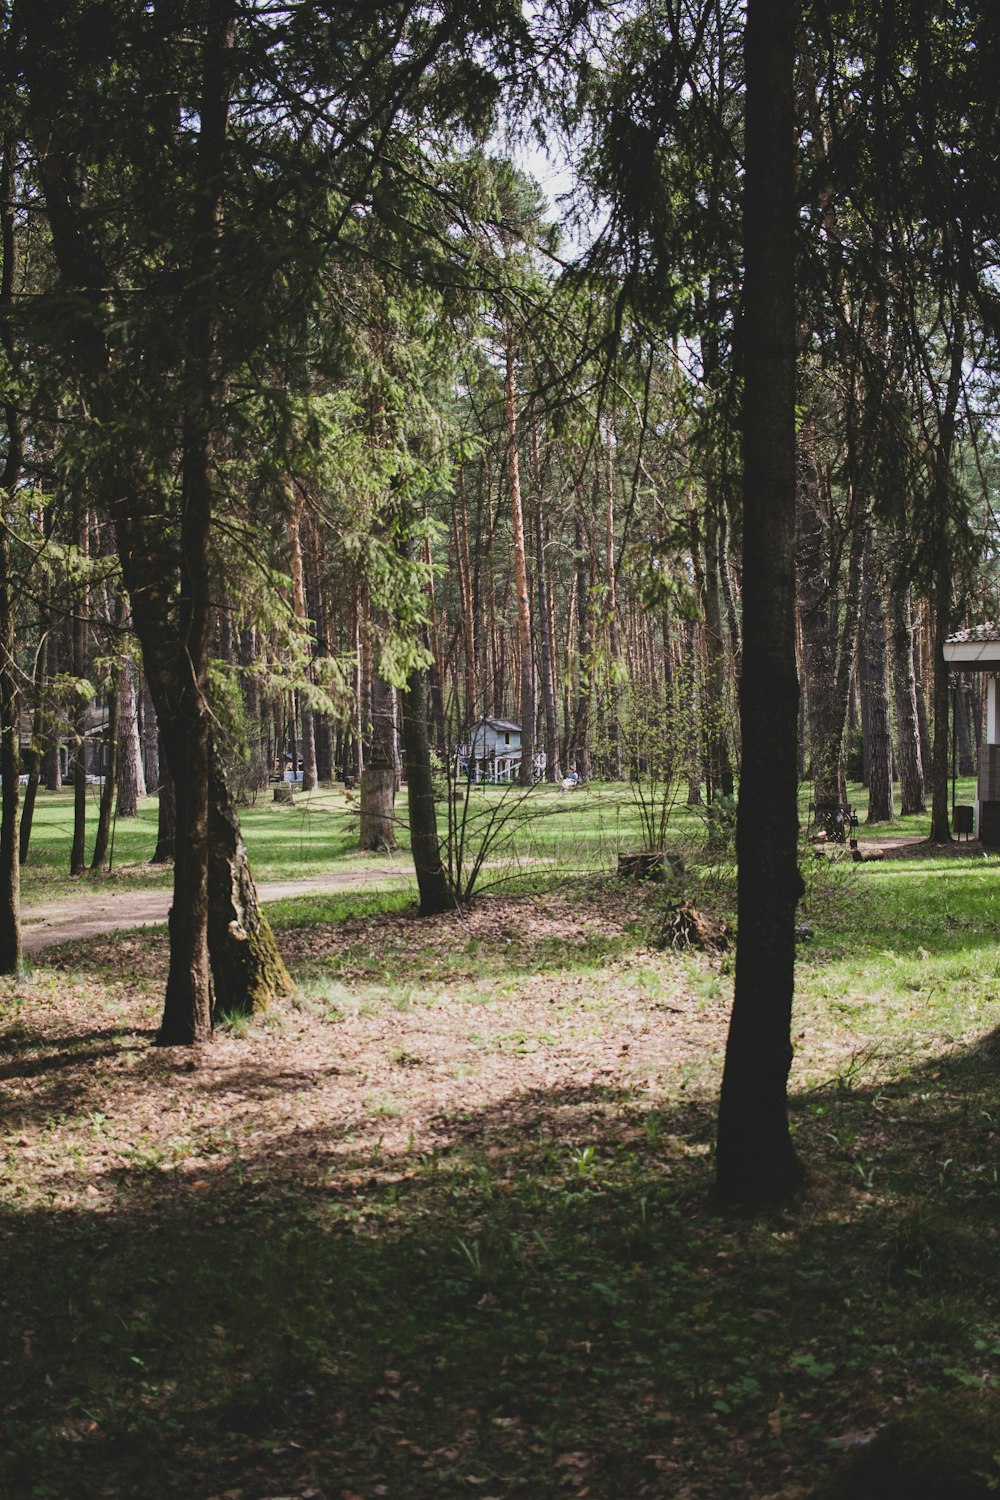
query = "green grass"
{"x": 583, "y": 830}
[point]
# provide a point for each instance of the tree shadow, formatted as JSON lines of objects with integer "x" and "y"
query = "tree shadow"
{"x": 546, "y": 1300}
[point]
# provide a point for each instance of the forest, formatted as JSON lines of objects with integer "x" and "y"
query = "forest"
{"x": 455, "y": 458}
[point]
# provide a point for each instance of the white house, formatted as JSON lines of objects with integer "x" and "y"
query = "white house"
{"x": 493, "y": 752}
{"x": 978, "y": 650}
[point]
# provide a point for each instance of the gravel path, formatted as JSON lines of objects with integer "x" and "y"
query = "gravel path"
{"x": 84, "y": 916}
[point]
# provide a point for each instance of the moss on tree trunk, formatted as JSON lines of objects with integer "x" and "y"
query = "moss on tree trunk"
{"x": 248, "y": 972}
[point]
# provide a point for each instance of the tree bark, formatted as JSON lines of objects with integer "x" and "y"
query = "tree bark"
{"x": 187, "y": 1013}
{"x": 131, "y": 781}
{"x": 436, "y": 894}
{"x": 756, "y": 1162}
{"x": 553, "y": 768}
{"x": 578, "y": 749}
{"x": 80, "y": 637}
{"x": 526, "y": 772}
{"x": 941, "y": 743}
{"x": 103, "y": 836}
{"x": 911, "y": 770}
{"x": 10, "y": 712}
{"x": 247, "y": 969}
{"x": 875, "y": 697}
{"x": 378, "y": 780}
{"x": 310, "y": 778}
{"x": 166, "y": 818}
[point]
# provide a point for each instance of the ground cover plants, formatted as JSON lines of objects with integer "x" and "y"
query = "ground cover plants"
{"x": 442, "y": 1226}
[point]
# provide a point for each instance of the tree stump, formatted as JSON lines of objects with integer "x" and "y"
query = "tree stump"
{"x": 650, "y": 865}
{"x": 283, "y": 793}
{"x": 684, "y": 926}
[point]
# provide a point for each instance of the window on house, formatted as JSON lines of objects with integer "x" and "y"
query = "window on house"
{"x": 506, "y": 738}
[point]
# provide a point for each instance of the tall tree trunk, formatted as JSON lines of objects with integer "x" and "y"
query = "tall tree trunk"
{"x": 131, "y": 781}
{"x": 80, "y": 640}
{"x": 923, "y": 725}
{"x": 546, "y": 645}
{"x": 310, "y": 778}
{"x": 316, "y": 591}
{"x": 526, "y": 773}
{"x": 911, "y": 770}
{"x": 436, "y": 894}
{"x": 716, "y": 718}
{"x": 578, "y": 751}
{"x": 150, "y": 736}
{"x": 614, "y": 733}
{"x": 818, "y": 618}
{"x": 187, "y": 1014}
{"x": 756, "y": 1162}
{"x": 941, "y": 744}
{"x": 463, "y": 568}
{"x": 10, "y": 734}
{"x": 10, "y": 712}
{"x": 875, "y": 696}
{"x": 103, "y": 836}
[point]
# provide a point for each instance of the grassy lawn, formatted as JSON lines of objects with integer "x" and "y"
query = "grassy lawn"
{"x": 443, "y": 1226}
{"x": 575, "y": 832}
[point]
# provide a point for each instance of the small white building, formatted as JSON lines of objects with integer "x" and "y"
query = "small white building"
{"x": 493, "y": 752}
{"x": 978, "y": 650}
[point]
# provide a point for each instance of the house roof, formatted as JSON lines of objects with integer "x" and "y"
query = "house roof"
{"x": 498, "y": 724}
{"x": 989, "y": 632}
{"x": 975, "y": 649}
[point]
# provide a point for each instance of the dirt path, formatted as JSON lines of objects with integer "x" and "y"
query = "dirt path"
{"x": 85, "y": 916}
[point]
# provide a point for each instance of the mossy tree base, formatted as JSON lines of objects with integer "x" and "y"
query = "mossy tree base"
{"x": 248, "y": 972}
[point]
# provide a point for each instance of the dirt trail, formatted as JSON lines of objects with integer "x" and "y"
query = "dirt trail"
{"x": 84, "y": 916}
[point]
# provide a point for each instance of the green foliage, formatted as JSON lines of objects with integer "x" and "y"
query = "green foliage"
{"x": 655, "y": 736}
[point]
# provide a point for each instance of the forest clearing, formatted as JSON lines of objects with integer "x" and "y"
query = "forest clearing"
{"x": 441, "y": 1223}
{"x": 499, "y": 749}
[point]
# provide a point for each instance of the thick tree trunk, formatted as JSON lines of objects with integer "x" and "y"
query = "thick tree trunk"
{"x": 436, "y": 894}
{"x": 756, "y": 1162}
{"x": 247, "y": 969}
{"x": 911, "y": 771}
{"x": 187, "y": 1014}
{"x": 378, "y": 780}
